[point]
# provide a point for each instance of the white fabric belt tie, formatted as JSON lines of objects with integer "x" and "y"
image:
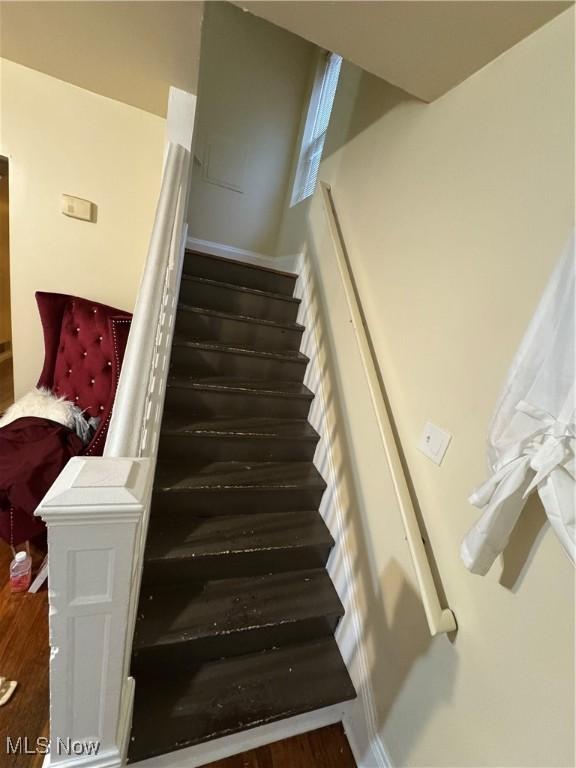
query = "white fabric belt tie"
{"x": 550, "y": 446}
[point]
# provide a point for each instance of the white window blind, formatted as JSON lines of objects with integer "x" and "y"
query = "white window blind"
{"x": 316, "y": 127}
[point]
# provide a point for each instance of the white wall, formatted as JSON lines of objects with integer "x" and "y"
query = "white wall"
{"x": 454, "y": 215}
{"x": 61, "y": 138}
{"x": 254, "y": 80}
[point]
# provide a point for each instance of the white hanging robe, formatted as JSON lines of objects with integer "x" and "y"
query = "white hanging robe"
{"x": 532, "y": 437}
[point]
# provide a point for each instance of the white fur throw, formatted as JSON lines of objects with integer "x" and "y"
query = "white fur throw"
{"x": 42, "y": 404}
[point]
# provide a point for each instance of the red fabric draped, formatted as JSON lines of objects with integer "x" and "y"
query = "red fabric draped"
{"x": 33, "y": 452}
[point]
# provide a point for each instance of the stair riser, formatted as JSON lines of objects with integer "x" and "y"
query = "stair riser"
{"x": 235, "y": 565}
{"x": 202, "y": 362}
{"x": 237, "y": 302}
{"x": 176, "y": 447}
{"x": 193, "y": 325}
{"x": 235, "y": 501}
{"x": 238, "y": 274}
{"x": 237, "y": 643}
{"x": 186, "y": 401}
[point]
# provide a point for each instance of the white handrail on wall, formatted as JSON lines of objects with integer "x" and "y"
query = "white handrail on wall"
{"x": 97, "y": 510}
{"x": 439, "y": 619}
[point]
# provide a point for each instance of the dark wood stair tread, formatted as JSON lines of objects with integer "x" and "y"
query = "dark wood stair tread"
{"x": 202, "y": 702}
{"x": 251, "y": 428}
{"x": 169, "y": 615}
{"x": 184, "y": 538}
{"x": 287, "y": 355}
{"x": 240, "y": 318}
{"x": 235, "y": 475}
{"x": 244, "y": 387}
{"x": 236, "y": 263}
{"x": 239, "y": 273}
{"x": 237, "y": 611}
{"x": 243, "y": 288}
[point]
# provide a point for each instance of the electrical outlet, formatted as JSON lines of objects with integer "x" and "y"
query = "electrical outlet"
{"x": 434, "y": 442}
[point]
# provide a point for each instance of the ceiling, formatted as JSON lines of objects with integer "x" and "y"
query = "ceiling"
{"x": 129, "y": 51}
{"x": 424, "y": 47}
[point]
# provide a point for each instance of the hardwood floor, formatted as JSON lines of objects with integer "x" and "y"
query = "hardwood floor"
{"x": 24, "y": 654}
{"x": 324, "y": 748}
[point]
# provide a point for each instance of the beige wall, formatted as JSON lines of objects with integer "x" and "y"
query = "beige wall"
{"x": 454, "y": 215}
{"x": 424, "y": 47}
{"x": 131, "y": 51}
{"x": 253, "y": 83}
{"x": 62, "y": 139}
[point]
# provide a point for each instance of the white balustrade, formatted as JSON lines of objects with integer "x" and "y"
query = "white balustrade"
{"x": 97, "y": 510}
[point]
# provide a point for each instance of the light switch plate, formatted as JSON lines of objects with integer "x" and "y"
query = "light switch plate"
{"x": 434, "y": 442}
{"x": 77, "y": 208}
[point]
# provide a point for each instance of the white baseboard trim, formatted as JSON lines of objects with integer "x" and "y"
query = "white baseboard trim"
{"x": 360, "y": 726}
{"x": 125, "y": 724}
{"x": 218, "y": 749}
{"x": 289, "y": 263}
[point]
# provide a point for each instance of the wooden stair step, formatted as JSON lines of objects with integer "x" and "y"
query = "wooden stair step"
{"x": 233, "y": 616}
{"x": 236, "y": 475}
{"x": 241, "y": 438}
{"x": 237, "y": 611}
{"x": 239, "y": 273}
{"x": 239, "y": 299}
{"x": 210, "y": 324}
{"x": 229, "y": 396}
{"x": 199, "y": 702}
{"x": 183, "y": 546}
{"x": 230, "y": 487}
{"x": 211, "y": 358}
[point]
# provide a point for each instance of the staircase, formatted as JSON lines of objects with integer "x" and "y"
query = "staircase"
{"x": 237, "y": 612}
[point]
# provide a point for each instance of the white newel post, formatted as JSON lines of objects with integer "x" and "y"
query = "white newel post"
{"x": 93, "y": 513}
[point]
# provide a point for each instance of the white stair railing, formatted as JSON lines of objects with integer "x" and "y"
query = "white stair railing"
{"x": 97, "y": 510}
{"x": 439, "y": 619}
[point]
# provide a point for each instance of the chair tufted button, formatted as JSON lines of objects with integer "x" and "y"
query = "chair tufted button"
{"x": 99, "y": 338}
{"x": 91, "y": 382}
{"x": 84, "y": 353}
{"x": 77, "y": 398}
{"x": 101, "y": 408}
{"x": 109, "y": 363}
{"x": 77, "y": 329}
{"x": 94, "y": 310}
{"x": 69, "y": 371}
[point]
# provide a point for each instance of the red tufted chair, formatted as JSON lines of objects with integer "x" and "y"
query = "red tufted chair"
{"x": 84, "y": 347}
{"x": 84, "y": 344}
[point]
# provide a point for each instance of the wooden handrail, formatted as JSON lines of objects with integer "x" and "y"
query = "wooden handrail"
{"x": 439, "y": 619}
